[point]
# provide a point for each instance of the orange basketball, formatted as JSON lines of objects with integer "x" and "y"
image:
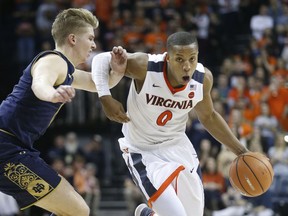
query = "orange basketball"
{"x": 251, "y": 174}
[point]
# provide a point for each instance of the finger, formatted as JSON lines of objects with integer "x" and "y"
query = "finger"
{"x": 124, "y": 53}
{"x": 64, "y": 94}
{"x": 120, "y": 50}
{"x": 69, "y": 90}
{"x": 113, "y": 56}
{"x": 59, "y": 98}
{"x": 123, "y": 116}
{"x": 123, "y": 119}
{"x": 116, "y": 50}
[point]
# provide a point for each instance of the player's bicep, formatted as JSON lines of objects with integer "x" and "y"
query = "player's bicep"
{"x": 49, "y": 70}
{"x": 137, "y": 66}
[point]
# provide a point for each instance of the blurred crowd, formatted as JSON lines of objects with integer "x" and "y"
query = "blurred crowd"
{"x": 245, "y": 45}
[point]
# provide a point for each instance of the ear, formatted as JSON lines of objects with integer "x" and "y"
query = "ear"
{"x": 72, "y": 39}
{"x": 167, "y": 57}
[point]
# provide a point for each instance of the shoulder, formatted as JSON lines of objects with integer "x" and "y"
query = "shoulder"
{"x": 138, "y": 56}
{"x": 52, "y": 61}
{"x": 50, "y": 64}
{"x": 208, "y": 80}
{"x": 56, "y": 58}
{"x": 137, "y": 65}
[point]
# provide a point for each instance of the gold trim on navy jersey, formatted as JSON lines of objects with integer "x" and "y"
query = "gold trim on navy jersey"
{"x": 27, "y": 180}
{"x": 55, "y": 114}
{"x": 6, "y": 132}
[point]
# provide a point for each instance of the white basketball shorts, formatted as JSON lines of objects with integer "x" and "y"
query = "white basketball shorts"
{"x": 175, "y": 163}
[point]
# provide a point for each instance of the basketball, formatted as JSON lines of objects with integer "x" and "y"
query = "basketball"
{"x": 251, "y": 174}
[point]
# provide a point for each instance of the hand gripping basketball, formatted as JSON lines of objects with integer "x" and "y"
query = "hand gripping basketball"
{"x": 251, "y": 174}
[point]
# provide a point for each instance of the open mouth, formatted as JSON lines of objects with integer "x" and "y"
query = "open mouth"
{"x": 186, "y": 78}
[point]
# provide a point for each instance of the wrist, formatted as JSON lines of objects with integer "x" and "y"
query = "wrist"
{"x": 103, "y": 99}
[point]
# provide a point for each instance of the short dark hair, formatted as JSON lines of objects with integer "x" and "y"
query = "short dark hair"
{"x": 180, "y": 38}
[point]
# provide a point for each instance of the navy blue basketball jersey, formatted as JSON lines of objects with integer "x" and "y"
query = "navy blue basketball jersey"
{"x": 23, "y": 116}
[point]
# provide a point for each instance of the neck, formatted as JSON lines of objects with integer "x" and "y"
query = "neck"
{"x": 68, "y": 53}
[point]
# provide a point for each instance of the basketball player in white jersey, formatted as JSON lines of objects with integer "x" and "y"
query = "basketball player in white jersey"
{"x": 164, "y": 89}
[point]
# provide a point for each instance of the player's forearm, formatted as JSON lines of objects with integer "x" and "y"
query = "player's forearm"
{"x": 43, "y": 91}
{"x": 114, "y": 78}
{"x": 100, "y": 73}
{"x": 220, "y": 130}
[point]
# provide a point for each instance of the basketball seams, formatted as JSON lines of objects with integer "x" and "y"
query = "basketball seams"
{"x": 243, "y": 158}
{"x": 264, "y": 165}
{"x": 247, "y": 169}
{"x": 239, "y": 177}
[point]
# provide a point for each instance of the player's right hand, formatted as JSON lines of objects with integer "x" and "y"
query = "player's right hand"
{"x": 113, "y": 109}
{"x": 63, "y": 94}
{"x": 118, "y": 60}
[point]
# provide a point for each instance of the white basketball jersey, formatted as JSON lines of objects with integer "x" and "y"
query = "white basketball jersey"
{"x": 159, "y": 112}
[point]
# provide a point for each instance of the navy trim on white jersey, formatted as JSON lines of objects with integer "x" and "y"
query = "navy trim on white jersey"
{"x": 198, "y": 76}
{"x": 155, "y": 66}
{"x": 141, "y": 169}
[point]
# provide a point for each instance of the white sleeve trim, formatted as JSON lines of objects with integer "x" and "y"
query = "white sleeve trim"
{"x": 100, "y": 73}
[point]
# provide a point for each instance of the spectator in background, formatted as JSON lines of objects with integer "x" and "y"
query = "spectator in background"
{"x": 229, "y": 16}
{"x": 58, "y": 148}
{"x": 214, "y": 185}
{"x": 224, "y": 160}
{"x": 95, "y": 154}
{"x": 234, "y": 204}
{"x": 240, "y": 126}
{"x": 79, "y": 175}
{"x": 195, "y": 131}
{"x": 256, "y": 91}
{"x": 260, "y": 22}
{"x": 238, "y": 96}
{"x": 59, "y": 166}
{"x": 45, "y": 15}
{"x": 72, "y": 147}
{"x": 26, "y": 45}
{"x": 277, "y": 99}
{"x": 93, "y": 192}
{"x": 223, "y": 87}
{"x": 205, "y": 152}
{"x": 278, "y": 155}
{"x": 268, "y": 125}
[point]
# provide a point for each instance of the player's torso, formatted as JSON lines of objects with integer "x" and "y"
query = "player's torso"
{"x": 22, "y": 114}
{"x": 158, "y": 112}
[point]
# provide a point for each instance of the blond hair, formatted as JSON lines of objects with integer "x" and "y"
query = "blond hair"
{"x": 71, "y": 21}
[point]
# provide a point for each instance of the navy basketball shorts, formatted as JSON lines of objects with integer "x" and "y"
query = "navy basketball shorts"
{"x": 27, "y": 178}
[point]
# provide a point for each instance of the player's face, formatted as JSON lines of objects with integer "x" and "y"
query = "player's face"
{"x": 182, "y": 62}
{"x": 85, "y": 44}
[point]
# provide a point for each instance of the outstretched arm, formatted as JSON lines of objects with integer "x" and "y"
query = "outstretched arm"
{"x": 86, "y": 80}
{"x": 213, "y": 121}
{"x": 103, "y": 64}
{"x": 134, "y": 66}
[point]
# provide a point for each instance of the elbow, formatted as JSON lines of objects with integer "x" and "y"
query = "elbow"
{"x": 35, "y": 89}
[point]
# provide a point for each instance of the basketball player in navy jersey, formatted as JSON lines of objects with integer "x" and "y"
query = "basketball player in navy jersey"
{"x": 160, "y": 157}
{"x": 47, "y": 83}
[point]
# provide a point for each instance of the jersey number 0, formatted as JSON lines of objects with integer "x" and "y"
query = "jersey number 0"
{"x": 164, "y": 117}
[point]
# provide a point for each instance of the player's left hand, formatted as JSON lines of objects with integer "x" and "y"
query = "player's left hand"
{"x": 118, "y": 60}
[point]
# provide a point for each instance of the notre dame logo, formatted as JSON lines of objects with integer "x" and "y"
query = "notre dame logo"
{"x": 26, "y": 179}
{"x": 38, "y": 188}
